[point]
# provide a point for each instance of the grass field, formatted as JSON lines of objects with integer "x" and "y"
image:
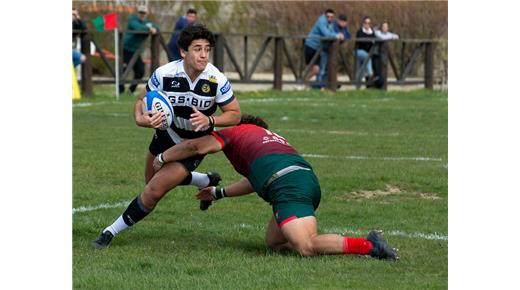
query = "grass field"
{"x": 382, "y": 161}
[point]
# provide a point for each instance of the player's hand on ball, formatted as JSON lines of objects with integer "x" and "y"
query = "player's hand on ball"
{"x": 198, "y": 120}
{"x": 156, "y": 119}
{"x": 206, "y": 194}
{"x": 151, "y": 119}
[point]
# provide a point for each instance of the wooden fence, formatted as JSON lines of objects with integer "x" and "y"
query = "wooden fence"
{"x": 400, "y": 64}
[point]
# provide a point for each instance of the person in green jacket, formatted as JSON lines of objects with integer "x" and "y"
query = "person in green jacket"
{"x": 132, "y": 41}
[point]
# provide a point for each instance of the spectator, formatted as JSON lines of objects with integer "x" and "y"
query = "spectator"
{"x": 189, "y": 18}
{"x": 323, "y": 27}
{"x": 384, "y": 33}
{"x": 132, "y": 42}
{"x": 77, "y": 24}
{"x": 363, "y": 48}
{"x": 77, "y": 57}
{"x": 339, "y": 26}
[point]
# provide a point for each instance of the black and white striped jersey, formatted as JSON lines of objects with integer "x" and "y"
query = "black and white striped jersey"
{"x": 211, "y": 88}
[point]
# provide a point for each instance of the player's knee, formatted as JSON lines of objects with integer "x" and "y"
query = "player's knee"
{"x": 153, "y": 193}
{"x": 304, "y": 248}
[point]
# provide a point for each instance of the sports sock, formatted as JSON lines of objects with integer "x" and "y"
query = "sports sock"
{"x": 358, "y": 246}
{"x": 200, "y": 180}
{"x": 135, "y": 212}
{"x": 118, "y": 226}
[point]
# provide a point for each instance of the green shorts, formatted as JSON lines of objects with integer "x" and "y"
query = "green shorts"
{"x": 294, "y": 195}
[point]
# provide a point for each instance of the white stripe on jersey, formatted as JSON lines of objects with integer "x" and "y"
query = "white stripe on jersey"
{"x": 175, "y": 138}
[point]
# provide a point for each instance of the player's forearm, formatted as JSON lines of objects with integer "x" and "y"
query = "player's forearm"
{"x": 230, "y": 115}
{"x": 138, "y": 108}
{"x": 239, "y": 188}
{"x": 180, "y": 151}
{"x": 227, "y": 118}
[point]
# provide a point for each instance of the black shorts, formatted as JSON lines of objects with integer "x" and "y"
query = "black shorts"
{"x": 161, "y": 141}
{"x": 309, "y": 53}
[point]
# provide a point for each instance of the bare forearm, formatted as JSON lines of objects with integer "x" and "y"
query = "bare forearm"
{"x": 230, "y": 115}
{"x": 228, "y": 118}
{"x": 180, "y": 151}
{"x": 239, "y": 188}
{"x": 138, "y": 108}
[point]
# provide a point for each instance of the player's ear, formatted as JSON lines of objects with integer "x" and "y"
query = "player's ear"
{"x": 183, "y": 52}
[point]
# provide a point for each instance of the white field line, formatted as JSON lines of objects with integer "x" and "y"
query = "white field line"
{"x": 395, "y": 233}
{"x": 89, "y": 104}
{"x": 372, "y": 158}
{"x": 276, "y": 100}
{"x": 339, "y": 132}
{"x": 100, "y": 206}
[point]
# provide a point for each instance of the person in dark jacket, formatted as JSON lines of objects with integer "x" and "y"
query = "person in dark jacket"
{"x": 363, "y": 47}
{"x": 188, "y": 19}
{"x": 132, "y": 42}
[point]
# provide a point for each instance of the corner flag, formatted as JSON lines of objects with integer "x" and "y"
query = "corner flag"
{"x": 105, "y": 22}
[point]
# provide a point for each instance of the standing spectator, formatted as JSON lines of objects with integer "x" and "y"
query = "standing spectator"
{"x": 339, "y": 26}
{"x": 189, "y": 18}
{"x": 132, "y": 41}
{"x": 323, "y": 27}
{"x": 77, "y": 24}
{"x": 363, "y": 47}
{"x": 384, "y": 33}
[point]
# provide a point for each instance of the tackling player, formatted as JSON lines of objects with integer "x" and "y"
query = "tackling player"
{"x": 195, "y": 88}
{"x": 279, "y": 175}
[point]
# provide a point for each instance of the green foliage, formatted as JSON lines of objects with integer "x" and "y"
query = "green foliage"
{"x": 180, "y": 247}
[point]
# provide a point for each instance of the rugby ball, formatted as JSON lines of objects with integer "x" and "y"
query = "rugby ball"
{"x": 157, "y": 101}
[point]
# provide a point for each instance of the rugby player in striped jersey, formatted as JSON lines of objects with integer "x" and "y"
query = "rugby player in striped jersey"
{"x": 195, "y": 89}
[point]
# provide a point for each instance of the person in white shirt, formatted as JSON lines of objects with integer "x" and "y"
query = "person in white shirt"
{"x": 384, "y": 33}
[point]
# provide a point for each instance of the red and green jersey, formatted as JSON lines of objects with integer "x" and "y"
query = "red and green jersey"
{"x": 257, "y": 153}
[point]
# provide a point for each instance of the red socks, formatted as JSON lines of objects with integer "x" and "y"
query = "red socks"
{"x": 358, "y": 246}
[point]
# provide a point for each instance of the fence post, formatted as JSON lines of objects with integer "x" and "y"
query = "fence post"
{"x": 278, "y": 61}
{"x": 155, "y": 52}
{"x": 332, "y": 66}
{"x": 383, "y": 54}
{"x": 428, "y": 65}
{"x": 218, "y": 53}
{"x": 86, "y": 66}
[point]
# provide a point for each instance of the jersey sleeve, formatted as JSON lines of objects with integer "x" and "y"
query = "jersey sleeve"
{"x": 223, "y": 136}
{"x": 224, "y": 92}
{"x": 153, "y": 82}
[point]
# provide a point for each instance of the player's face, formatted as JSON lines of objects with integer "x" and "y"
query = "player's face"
{"x": 197, "y": 56}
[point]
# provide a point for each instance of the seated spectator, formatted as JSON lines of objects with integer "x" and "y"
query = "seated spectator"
{"x": 363, "y": 48}
{"x": 77, "y": 57}
{"x": 384, "y": 33}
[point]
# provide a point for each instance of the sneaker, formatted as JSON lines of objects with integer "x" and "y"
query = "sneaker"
{"x": 103, "y": 240}
{"x": 380, "y": 247}
{"x": 214, "y": 180}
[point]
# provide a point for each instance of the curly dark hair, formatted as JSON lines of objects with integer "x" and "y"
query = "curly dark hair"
{"x": 193, "y": 32}
{"x": 248, "y": 119}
